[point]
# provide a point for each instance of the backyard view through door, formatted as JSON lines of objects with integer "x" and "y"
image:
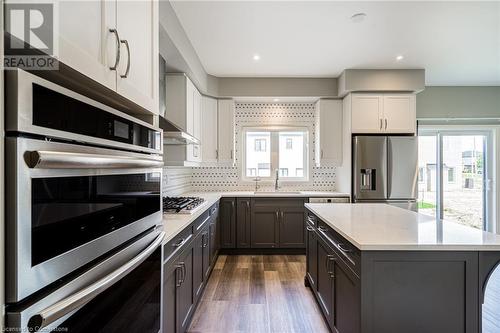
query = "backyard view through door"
{"x": 451, "y": 178}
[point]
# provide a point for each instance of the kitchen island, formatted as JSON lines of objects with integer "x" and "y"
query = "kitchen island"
{"x": 377, "y": 268}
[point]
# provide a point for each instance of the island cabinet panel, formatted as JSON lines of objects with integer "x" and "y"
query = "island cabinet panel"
{"x": 346, "y": 298}
{"x": 420, "y": 291}
{"x": 227, "y": 221}
{"x": 325, "y": 282}
{"x": 243, "y": 218}
{"x": 311, "y": 256}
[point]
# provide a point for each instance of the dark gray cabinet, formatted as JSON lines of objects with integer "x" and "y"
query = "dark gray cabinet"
{"x": 402, "y": 291}
{"x": 324, "y": 283}
{"x": 201, "y": 261}
{"x": 189, "y": 258}
{"x": 264, "y": 225}
{"x": 311, "y": 256}
{"x": 227, "y": 223}
{"x": 243, "y": 218}
{"x": 346, "y": 297}
{"x": 291, "y": 227}
{"x": 178, "y": 296}
{"x": 277, "y": 223}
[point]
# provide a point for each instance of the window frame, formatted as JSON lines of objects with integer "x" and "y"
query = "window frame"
{"x": 274, "y": 151}
{"x": 491, "y": 209}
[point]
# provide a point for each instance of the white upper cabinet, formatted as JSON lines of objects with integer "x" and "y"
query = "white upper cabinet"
{"x": 226, "y": 111}
{"x": 85, "y": 41}
{"x": 400, "y": 113}
{"x": 183, "y": 105}
{"x": 209, "y": 135}
{"x": 183, "y": 108}
{"x": 137, "y": 76}
{"x": 328, "y": 132}
{"x": 102, "y": 39}
{"x": 367, "y": 113}
{"x": 383, "y": 113}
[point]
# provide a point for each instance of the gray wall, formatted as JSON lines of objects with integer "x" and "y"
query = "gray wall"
{"x": 459, "y": 102}
{"x": 277, "y": 87}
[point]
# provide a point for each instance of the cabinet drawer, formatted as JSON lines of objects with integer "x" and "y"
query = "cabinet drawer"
{"x": 345, "y": 250}
{"x": 214, "y": 209}
{"x": 201, "y": 221}
{"x": 176, "y": 244}
{"x": 278, "y": 202}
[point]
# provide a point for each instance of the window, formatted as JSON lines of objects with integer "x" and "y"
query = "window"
{"x": 451, "y": 175}
{"x": 459, "y": 163}
{"x": 260, "y": 145}
{"x": 267, "y": 150}
{"x": 420, "y": 174}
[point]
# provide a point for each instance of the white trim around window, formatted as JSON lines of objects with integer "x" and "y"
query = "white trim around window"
{"x": 274, "y": 153}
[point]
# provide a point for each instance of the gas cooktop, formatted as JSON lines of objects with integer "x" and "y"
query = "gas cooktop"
{"x": 182, "y": 205}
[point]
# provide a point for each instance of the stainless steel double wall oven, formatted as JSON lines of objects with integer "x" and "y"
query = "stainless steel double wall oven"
{"x": 84, "y": 212}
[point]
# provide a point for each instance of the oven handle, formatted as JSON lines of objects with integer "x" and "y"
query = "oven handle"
{"x": 65, "y": 160}
{"x": 84, "y": 296}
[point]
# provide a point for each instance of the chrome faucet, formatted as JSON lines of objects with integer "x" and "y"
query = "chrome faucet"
{"x": 276, "y": 182}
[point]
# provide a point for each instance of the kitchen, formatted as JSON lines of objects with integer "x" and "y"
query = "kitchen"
{"x": 208, "y": 166}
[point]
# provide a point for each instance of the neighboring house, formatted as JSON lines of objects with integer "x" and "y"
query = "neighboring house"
{"x": 458, "y": 169}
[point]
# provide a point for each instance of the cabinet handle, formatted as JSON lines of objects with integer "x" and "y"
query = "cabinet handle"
{"x": 321, "y": 153}
{"x": 216, "y": 154}
{"x": 281, "y": 213}
{"x": 342, "y": 248}
{"x": 322, "y": 229}
{"x": 117, "y": 58}
{"x": 124, "y": 76}
{"x": 178, "y": 279}
{"x": 248, "y": 205}
{"x": 180, "y": 243}
{"x": 330, "y": 259}
{"x": 183, "y": 264}
{"x": 277, "y": 216}
{"x": 385, "y": 123}
{"x": 380, "y": 123}
{"x": 231, "y": 154}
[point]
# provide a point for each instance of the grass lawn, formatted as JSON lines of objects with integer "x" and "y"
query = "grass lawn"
{"x": 426, "y": 205}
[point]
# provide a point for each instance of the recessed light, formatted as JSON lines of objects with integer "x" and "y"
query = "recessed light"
{"x": 358, "y": 17}
{"x": 256, "y": 57}
{"x": 399, "y": 58}
{"x": 276, "y": 100}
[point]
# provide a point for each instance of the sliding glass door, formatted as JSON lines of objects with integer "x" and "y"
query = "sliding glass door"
{"x": 454, "y": 175}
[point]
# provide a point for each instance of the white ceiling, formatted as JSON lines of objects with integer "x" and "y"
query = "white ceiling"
{"x": 458, "y": 43}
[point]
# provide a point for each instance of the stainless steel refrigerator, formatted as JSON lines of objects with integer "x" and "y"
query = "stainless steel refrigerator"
{"x": 385, "y": 169}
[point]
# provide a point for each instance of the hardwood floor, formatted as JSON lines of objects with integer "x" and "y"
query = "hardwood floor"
{"x": 491, "y": 306}
{"x": 258, "y": 293}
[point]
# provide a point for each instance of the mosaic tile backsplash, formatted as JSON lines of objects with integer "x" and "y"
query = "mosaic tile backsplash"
{"x": 227, "y": 178}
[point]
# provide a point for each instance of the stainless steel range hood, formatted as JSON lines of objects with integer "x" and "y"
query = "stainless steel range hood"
{"x": 174, "y": 135}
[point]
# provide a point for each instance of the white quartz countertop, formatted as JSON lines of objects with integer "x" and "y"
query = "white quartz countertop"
{"x": 173, "y": 224}
{"x": 384, "y": 227}
{"x": 274, "y": 194}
